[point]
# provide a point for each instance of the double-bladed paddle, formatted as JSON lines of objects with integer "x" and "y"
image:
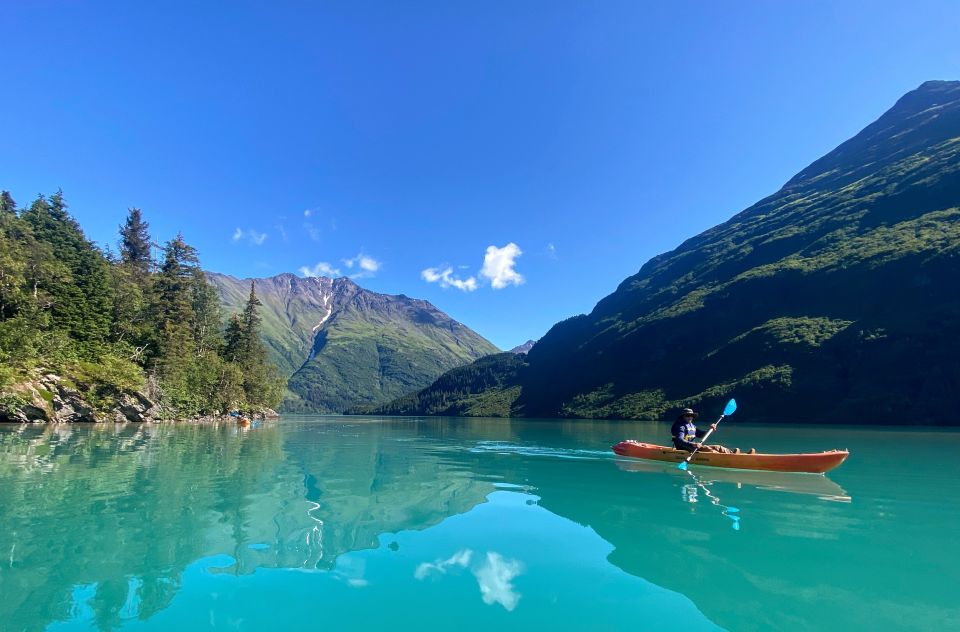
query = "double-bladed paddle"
{"x": 728, "y": 410}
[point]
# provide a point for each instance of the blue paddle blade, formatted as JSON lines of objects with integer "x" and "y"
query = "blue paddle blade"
{"x": 730, "y": 408}
{"x": 682, "y": 465}
{"x": 732, "y": 510}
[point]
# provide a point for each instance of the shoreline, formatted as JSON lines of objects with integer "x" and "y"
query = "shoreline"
{"x": 49, "y": 398}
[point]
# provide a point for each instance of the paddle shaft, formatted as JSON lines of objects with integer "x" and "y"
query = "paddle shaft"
{"x": 704, "y": 440}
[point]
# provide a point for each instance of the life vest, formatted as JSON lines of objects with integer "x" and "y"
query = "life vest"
{"x": 689, "y": 432}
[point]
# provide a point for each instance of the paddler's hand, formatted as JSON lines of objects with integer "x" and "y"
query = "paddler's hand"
{"x": 713, "y": 426}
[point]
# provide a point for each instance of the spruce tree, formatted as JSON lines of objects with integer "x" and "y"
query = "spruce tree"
{"x": 252, "y": 346}
{"x": 172, "y": 288}
{"x": 81, "y": 295}
{"x": 233, "y": 339}
{"x": 7, "y": 205}
{"x": 172, "y": 310}
{"x": 135, "y": 242}
{"x": 206, "y": 316}
{"x": 262, "y": 385}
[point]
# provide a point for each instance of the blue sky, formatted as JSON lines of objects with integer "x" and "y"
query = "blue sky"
{"x": 544, "y": 150}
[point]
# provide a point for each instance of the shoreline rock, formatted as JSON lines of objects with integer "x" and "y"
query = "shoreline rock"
{"x": 49, "y": 398}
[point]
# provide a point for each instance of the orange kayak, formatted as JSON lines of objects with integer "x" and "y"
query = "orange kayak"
{"x": 817, "y": 462}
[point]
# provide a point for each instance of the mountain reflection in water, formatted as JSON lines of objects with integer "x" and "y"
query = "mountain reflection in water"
{"x": 482, "y": 522}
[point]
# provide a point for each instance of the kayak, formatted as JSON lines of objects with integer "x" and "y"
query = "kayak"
{"x": 817, "y": 462}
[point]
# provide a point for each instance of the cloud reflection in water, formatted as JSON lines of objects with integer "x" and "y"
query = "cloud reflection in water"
{"x": 495, "y": 575}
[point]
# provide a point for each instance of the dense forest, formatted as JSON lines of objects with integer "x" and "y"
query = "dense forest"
{"x": 113, "y": 322}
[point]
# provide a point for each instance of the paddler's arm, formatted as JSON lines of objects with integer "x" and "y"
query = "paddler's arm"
{"x": 702, "y": 433}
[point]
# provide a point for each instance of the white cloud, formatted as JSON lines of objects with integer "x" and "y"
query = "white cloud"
{"x": 250, "y": 235}
{"x": 322, "y": 268}
{"x": 495, "y": 577}
{"x": 282, "y": 231}
{"x": 446, "y": 279}
{"x": 307, "y": 213}
{"x": 498, "y": 266}
{"x": 460, "y": 558}
{"x": 366, "y": 265}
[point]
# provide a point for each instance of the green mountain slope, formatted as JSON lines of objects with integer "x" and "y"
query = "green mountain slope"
{"x": 344, "y": 346}
{"x": 833, "y": 300}
{"x": 485, "y": 388}
{"x": 292, "y": 308}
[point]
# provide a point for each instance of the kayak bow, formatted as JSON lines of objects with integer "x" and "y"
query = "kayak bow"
{"x": 818, "y": 462}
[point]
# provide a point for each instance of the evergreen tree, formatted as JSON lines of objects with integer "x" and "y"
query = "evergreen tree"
{"x": 206, "y": 321}
{"x": 262, "y": 384}
{"x": 174, "y": 300}
{"x": 233, "y": 339}
{"x": 172, "y": 308}
{"x": 12, "y": 267}
{"x": 135, "y": 242}
{"x": 252, "y": 346}
{"x": 7, "y": 205}
{"x": 81, "y": 295}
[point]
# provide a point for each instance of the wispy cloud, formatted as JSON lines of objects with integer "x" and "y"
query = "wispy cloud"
{"x": 312, "y": 231}
{"x": 250, "y": 236}
{"x": 283, "y": 232}
{"x": 499, "y": 264}
{"x": 446, "y": 279}
{"x": 307, "y": 212}
{"x": 322, "y": 269}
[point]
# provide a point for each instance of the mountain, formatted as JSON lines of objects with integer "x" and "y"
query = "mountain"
{"x": 485, "y": 388}
{"x": 524, "y": 348}
{"x": 343, "y": 346}
{"x": 833, "y": 300}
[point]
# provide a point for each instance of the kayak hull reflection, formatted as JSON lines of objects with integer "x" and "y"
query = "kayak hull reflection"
{"x": 791, "y": 482}
{"x": 814, "y": 463}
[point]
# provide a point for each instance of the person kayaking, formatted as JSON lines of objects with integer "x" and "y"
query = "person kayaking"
{"x": 684, "y": 431}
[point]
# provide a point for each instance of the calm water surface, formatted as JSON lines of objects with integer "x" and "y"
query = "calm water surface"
{"x": 338, "y": 523}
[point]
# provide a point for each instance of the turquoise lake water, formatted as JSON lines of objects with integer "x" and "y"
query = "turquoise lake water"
{"x": 471, "y": 524}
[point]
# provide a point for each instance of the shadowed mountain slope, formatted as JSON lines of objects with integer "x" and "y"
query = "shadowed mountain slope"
{"x": 833, "y": 300}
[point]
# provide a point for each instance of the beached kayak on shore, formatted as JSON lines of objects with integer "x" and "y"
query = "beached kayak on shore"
{"x": 817, "y": 462}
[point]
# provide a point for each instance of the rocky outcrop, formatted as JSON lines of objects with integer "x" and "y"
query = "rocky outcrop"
{"x": 47, "y": 397}
{"x": 135, "y": 407}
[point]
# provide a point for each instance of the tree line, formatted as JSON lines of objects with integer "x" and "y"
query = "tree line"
{"x": 117, "y": 321}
